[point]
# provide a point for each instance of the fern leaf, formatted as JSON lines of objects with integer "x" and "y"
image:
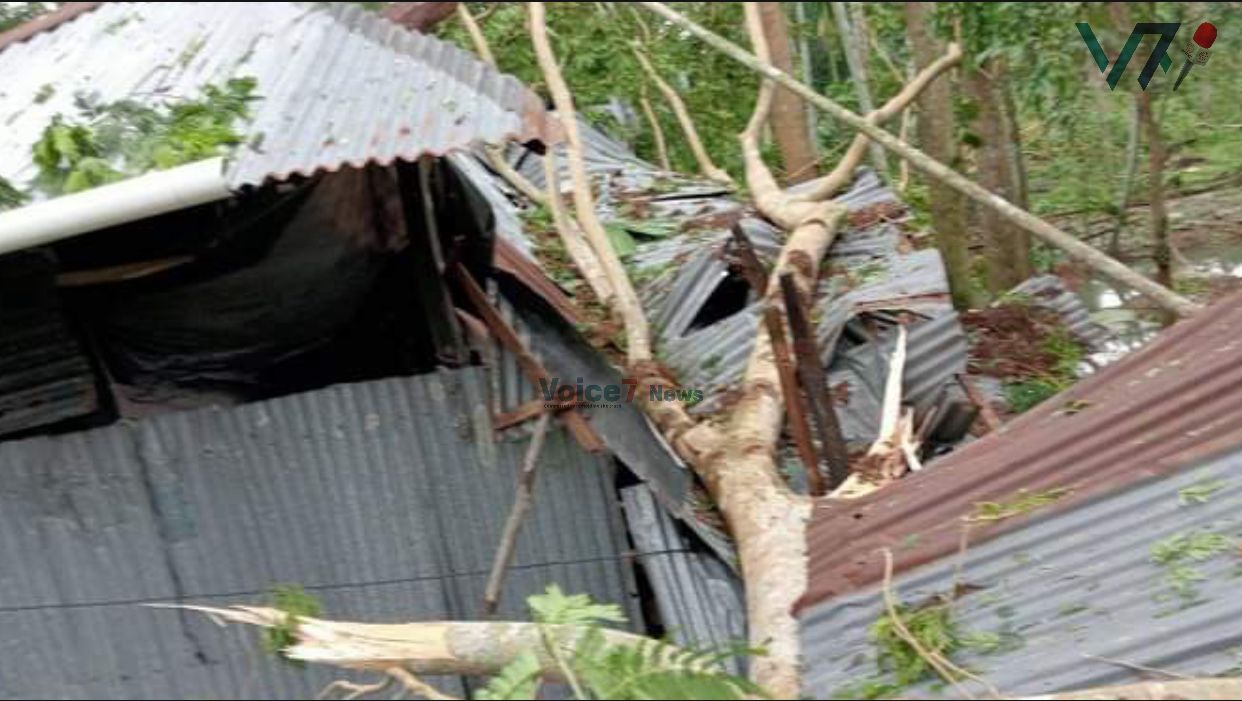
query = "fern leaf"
{"x": 517, "y": 680}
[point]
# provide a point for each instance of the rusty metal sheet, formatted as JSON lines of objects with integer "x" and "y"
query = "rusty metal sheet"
{"x": 1170, "y": 405}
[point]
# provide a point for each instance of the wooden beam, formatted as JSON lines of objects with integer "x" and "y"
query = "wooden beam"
{"x": 815, "y": 382}
{"x": 530, "y": 365}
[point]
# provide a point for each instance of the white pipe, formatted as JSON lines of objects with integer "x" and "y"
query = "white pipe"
{"x": 129, "y": 200}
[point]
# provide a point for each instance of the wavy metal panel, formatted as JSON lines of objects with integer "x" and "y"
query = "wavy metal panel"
{"x": 45, "y": 375}
{"x": 1075, "y": 584}
{"x": 386, "y": 499}
{"x": 1163, "y": 408}
{"x": 700, "y": 600}
{"x": 340, "y": 86}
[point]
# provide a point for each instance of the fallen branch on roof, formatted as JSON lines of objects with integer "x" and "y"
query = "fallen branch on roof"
{"x": 523, "y": 500}
{"x": 1076, "y": 249}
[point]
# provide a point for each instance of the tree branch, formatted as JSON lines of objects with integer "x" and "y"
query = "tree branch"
{"x": 701, "y": 156}
{"x": 625, "y": 300}
{"x": 843, "y": 174}
{"x": 422, "y": 648}
{"x": 657, "y": 132}
{"x": 1082, "y": 252}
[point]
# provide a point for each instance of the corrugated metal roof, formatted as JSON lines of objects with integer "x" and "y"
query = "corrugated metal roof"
{"x": 340, "y": 86}
{"x": 45, "y": 376}
{"x": 1049, "y": 292}
{"x": 700, "y": 600}
{"x": 386, "y": 499}
{"x": 1166, "y": 407}
{"x": 1078, "y": 583}
{"x": 683, "y": 273}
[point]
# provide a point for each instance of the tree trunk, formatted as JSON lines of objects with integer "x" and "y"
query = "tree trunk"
{"x": 1127, "y": 181}
{"x": 1161, "y": 252}
{"x": 856, "y": 59}
{"x": 937, "y": 135}
{"x": 1008, "y": 248}
{"x": 788, "y": 111}
{"x": 808, "y": 75}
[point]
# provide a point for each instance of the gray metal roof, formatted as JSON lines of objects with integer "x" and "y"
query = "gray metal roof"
{"x": 687, "y": 269}
{"x": 340, "y": 86}
{"x": 1076, "y": 583}
{"x": 386, "y": 499}
{"x": 700, "y": 600}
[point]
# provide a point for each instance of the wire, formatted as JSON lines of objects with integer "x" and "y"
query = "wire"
{"x": 334, "y": 586}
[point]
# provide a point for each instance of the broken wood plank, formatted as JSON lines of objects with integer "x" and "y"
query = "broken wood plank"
{"x": 799, "y": 429}
{"x": 530, "y": 365}
{"x": 523, "y": 500}
{"x": 757, "y": 277}
{"x": 815, "y": 382}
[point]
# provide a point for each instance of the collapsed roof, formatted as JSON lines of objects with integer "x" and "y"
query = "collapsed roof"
{"x": 1085, "y": 491}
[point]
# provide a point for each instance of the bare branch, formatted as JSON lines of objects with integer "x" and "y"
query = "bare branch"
{"x": 657, "y": 132}
{"x": 625, "y": 301}
{"x": 523, "y": 500}
{"x": 701, "y": 156}
{"x": 576, "y": 245}
{"x": 843, "y": 174}
{"x": 420, "y": 648}
{"x": 1082, "y": 252}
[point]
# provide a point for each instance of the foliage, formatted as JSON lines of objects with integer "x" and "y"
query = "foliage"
{"x": 1021, "y": 503}
{"x": 1179, "y": 553}
{"x": 106, "y": 142}
{"x": 599, "y": 669}
{"x": 594, "y": 42}
{"x": 932, "y": 625}
{"x": 1199, "y": 492}
{"x": 10, "y": 196}
{"x": 15, "y": 13}
{"x": 1024, "y": 395}
{"x": 295, "y": 603}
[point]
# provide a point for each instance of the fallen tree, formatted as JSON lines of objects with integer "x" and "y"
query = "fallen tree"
{"x": 734, "y": 454}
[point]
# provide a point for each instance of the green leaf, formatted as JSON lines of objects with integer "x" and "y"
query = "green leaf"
{"x": 620, "y": 240}
{"x": 554, "y": 607}
{"x": 517, "y": 680}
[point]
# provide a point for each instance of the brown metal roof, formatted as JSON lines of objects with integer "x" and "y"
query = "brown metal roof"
{"x": 1166, "y": 407}
{"x": 44, "y": 22}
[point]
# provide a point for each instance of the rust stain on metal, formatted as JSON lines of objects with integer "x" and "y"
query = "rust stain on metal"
{"x": 1166, "y": 407}
{"x": 46, "y": 22}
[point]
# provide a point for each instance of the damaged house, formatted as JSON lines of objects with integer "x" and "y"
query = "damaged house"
{"x": 316, "y": 357}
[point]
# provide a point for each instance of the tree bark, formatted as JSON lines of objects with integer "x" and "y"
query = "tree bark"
{"x": 1008, "y": 251}
{"x": 1076, "y": 249}
{"x": 855, "y": 47}
{"x": 701, "y": 156}
{"x": 1161, "y": 252}
{"x": 937, "y": 135}
{"x": 429, "y": 648}
{"x": 789, "y": 125}
{"x": 1127, "y": 181}
{"x": 626, "y": 303}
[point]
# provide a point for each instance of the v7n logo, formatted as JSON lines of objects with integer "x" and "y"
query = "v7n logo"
{"x": 1159, "y": 56}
